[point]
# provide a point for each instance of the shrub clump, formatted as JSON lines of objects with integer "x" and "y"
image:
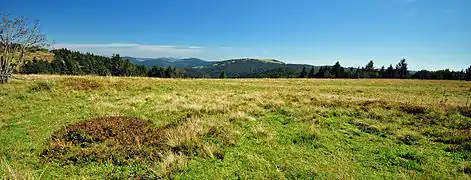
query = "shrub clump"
{"x": 124, "y": 141}
{"x": 413, "y": 109}
{"x": 366, "y": 127}
{"x": 119, "y": 140}
{"x": 409, "y": 139}
{"x": 41, "y": 86}
{"x": 465, "y": 111}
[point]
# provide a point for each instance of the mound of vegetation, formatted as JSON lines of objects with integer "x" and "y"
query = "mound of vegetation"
{"x": 117, "y": 140}
{"x": 126, "y": 141}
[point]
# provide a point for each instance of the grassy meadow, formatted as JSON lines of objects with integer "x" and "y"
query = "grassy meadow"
{"x": 147, "y": 128}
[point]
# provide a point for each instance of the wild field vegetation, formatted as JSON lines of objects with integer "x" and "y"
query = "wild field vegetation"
{"x": 117, "y": 127}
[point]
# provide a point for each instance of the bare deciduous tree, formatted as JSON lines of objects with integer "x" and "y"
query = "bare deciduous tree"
{"x": 17, "y": 36}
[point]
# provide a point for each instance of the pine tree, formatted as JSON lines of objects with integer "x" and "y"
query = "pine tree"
{"x": 382, "y": 72}
{"x": 401, "y": 68}
{"x": 320, "y": 73}
{"x": 222, "y": 75}
{"x": 390, "y": 72}
{"x": 311, "y": 73}
{"x": 357, "y": 73}
{"x": 303, "y": 73}
{"x": 337, "y": 70}
{"x": 370, "y": 66}
{"x": 468, "y": 74}
{"x": 169, "y": 72}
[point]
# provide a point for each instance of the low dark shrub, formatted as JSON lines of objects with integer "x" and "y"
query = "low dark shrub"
{"x": 408, "y": 139}
{"x": 413, "y": 109}
{"x": 119, "y": 140}
{"x": 465, "y": 111}
{"x": 41, "y": 86}
{"x": 366, "y": 127}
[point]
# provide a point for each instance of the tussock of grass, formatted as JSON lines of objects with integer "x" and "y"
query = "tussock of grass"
{"x": 41, "y": 86}
{"x": 366, "y": 127}
{"x": 409, "y": 138}
{"x": 81, "y": 84}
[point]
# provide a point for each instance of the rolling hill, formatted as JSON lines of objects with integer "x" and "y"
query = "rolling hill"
{"x": 243, "y": 68}
{"x": 168, "y": 61}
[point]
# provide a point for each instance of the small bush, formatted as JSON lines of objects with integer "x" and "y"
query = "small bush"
{"x": 413, "y": 109}
{"x": 119, "y": 140}
{"x": 130, "y": 141}
{"x": 465, "y": 111}
{"x": 409, "y": 139}
{"x": 41, "y": 86}
{"x": 366, "y": 127}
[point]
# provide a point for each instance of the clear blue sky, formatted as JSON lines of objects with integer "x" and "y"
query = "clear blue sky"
{"x": 430, "y": 34}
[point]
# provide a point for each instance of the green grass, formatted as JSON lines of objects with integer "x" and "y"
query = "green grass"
{"x": 235, "y": 128}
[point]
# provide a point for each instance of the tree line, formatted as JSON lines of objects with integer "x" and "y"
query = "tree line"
{"x": 400, "y": 71}
{"x": 76, "y": 63}
{"x": 69, "y": 62}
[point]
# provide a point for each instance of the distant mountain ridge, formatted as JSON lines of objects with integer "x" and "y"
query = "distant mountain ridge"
{"x": 168, "y": 61}
{"x": 242, "y": 67}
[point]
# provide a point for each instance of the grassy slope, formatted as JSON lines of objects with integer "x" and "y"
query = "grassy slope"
{"x": 270, "y": 128}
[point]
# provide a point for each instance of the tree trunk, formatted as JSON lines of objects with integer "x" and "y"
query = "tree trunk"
{"x": 3, "y": 79}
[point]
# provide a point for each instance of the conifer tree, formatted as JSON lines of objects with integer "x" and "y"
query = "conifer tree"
{"x": 311, "y": 73}
{"x": 337, "y": 70}
{"x": 303, "y": 73}
{"x": 222, "y": 75}
{"x": 468, "y": 74}
{"x": 401, "y": 68}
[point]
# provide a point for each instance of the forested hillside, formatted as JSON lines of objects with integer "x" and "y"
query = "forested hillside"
{"x": 77, "y": 63}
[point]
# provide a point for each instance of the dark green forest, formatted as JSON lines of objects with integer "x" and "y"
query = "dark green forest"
{"x": 69, "y": 62}
{"x": 76, "y": 63}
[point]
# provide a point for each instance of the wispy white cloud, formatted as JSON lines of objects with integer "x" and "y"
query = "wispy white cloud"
{"x": 138, "y": 50}
{"x": 195, "y": 47}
